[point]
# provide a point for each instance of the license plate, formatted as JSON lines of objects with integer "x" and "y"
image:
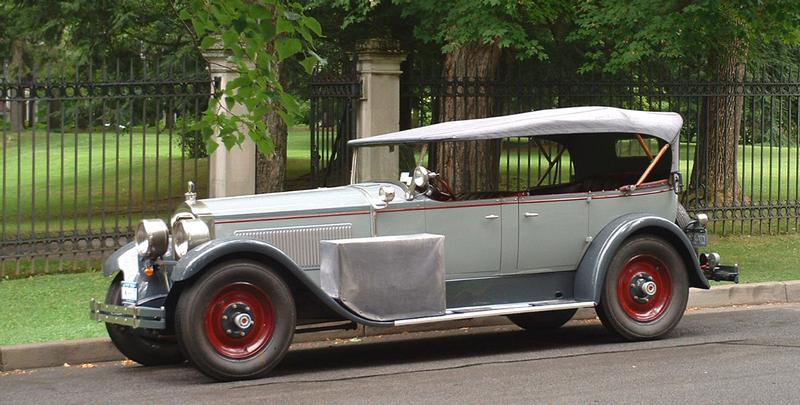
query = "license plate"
{"x": 699, "y": 239}
{"x": 129, "y": 291}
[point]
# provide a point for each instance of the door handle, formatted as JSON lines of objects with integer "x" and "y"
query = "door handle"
{"x": 531, "y": 214}
{"x": 492, "y": 216}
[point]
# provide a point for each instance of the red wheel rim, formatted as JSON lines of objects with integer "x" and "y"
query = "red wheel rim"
{"x": 239, "y": 301}
{"x": 632, "y": 290}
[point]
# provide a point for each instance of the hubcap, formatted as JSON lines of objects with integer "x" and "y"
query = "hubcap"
{"x": 644, "y": 288}
{"x": 239, "y": 321}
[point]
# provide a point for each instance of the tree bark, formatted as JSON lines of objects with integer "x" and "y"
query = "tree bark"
{"x": 469, "y": 71}
{"x": 271, "y": 169}
{"x": 715, "y": 179}
{"x": 17, "y": 71}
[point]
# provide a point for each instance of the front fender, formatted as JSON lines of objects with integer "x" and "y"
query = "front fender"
{"x": 199, "y": 258}
{"x": 125, "y": 259}
{"x": 594, "y": 264}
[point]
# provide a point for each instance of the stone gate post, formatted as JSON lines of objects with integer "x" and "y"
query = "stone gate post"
{"x": 379, "y": 69}
{"x": 231, "y": 172}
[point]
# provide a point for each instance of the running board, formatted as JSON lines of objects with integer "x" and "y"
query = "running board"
{"x": 496, "y": 310}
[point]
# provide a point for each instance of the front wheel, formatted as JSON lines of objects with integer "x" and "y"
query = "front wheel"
{"x": 237, "y": 321}
{"x": 145, "y": 347}
{"x": 645, "y": 290}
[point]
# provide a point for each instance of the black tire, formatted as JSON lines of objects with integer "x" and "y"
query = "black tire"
{"x": 207, "y": 335}
{"x": 682, "y": 217}
{"x": 145, "y": 347}
{"x": 542, "y": 321}
{"x": 619, "y": 308}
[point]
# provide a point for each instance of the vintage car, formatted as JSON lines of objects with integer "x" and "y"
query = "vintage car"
{"x": 228, "y": 281}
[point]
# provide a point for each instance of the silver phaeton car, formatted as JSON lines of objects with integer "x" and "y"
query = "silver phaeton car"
{"x": 229, "y": 281}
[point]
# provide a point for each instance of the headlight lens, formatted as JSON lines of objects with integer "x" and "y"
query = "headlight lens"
{"x": 420, "y": 177}
{"x": 152, "y": 238}
{"x": 189, "y": 233}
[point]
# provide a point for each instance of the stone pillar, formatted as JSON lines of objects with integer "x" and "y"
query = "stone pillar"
{"x": 231, "y": 172}
{"x": 379, "y": 69}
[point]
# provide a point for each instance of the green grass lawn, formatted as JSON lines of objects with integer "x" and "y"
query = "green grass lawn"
{"x": 59, "y": 303}
{"x": 48, "y": 308}
{"x": 93, "y": 182}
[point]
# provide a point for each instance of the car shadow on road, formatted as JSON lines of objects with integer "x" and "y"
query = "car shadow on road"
{"x": 454, "y": 345}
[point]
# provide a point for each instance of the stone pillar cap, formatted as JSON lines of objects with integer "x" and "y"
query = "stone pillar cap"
{"x": 379, "y": 45}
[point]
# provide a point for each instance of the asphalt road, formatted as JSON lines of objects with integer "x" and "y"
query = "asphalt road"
{"x": 736, "y": 355}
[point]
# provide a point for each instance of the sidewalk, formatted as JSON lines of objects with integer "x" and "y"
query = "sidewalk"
{"x": 75, "y": 352}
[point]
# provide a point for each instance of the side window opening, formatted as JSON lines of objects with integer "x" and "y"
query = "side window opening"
{"x": 535, "y": 165}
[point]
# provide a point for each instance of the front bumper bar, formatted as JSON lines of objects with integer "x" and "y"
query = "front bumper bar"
{"x": 135, "y": 317}
{"x": 723, "y": 273}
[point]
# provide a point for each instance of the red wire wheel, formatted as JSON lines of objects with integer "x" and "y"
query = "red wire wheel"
{"x": 244, "y": 300}
{"x": 636, "y": 296}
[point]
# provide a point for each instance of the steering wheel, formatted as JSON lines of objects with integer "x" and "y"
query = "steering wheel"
{"x": 443, "y": 187}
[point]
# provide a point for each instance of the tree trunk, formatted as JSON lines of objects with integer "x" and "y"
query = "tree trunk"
{"x": 17, "y": 113}
{"x": 715, "y": 179}
{"x": 271, "y": 170}
{"x": 17, "y": 70}
{"x": 469, "y": 70}
{"x": 54, "y": 114}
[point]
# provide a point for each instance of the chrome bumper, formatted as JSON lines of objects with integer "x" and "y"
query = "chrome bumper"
{"x": 135, "y": 317}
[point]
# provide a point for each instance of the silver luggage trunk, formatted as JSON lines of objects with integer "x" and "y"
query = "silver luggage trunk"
{"x": 387, "y": 277}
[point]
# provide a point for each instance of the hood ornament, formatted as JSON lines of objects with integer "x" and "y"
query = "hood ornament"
{"x": 191, "y": 192}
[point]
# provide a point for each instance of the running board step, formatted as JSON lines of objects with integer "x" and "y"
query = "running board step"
{"x": 496, "y": 310}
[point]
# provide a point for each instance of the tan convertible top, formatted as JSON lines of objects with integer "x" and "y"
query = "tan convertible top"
{"x": 558, "y": 121}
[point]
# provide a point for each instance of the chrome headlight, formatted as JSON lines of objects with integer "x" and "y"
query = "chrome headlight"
{"x": 420, "y": 178}
{"x": 152, "y": 238}
{"x": 189, "y": 233}
{"x": 386, "y": 193}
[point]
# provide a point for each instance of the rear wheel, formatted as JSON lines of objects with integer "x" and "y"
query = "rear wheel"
{"x": 645, "y": 290}
{"x": 146, "y": 347}
{"x": 542, "y": 321}
{"x": 237, "y": 321}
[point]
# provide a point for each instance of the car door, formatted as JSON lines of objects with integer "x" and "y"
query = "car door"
{"x": 472, "y": 231}
{"x": 552, "y": 231}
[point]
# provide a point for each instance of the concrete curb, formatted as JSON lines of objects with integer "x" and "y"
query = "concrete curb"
{"x": 101, "y": 349}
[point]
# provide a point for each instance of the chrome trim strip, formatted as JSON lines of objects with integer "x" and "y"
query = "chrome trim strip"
{"x": 494, "y": 310}
{"x": 300, "y": 243}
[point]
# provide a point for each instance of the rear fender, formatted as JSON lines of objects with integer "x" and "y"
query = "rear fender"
{"x": 594, "y": 264}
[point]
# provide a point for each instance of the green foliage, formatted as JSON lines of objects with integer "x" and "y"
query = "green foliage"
{"x": 522, "y": 26}
{"x": 619, "y": 35}
{"x": 258, "y": 36}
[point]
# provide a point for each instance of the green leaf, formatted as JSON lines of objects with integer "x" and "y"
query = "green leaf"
{"x": 313, "y": 25}
{"x": 309, "y": 62}
{"x": 208, "y": 42}
{"x": 291, "y": 15}
{"x": 287, "y": 47}
{"x": 231, "y": 38}
{"x": 284, "y": 25}
{"x": 264, "y": 145}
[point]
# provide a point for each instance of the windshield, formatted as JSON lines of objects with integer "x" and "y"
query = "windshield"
{"x": 387, "y": 162}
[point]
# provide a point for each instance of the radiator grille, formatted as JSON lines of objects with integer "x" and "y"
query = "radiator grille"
{"x": 301, "y": 243}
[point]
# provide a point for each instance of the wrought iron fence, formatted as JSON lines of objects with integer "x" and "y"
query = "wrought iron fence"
{"x": 335, "y": 92}
{"x": 766, "y": 194}
{"x": 84, "y": 156}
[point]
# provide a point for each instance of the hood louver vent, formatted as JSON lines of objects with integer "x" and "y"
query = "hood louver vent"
{"x": 300, "y": 243}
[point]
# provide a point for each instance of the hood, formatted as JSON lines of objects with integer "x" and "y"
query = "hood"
{"x": 336, "y": 199}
